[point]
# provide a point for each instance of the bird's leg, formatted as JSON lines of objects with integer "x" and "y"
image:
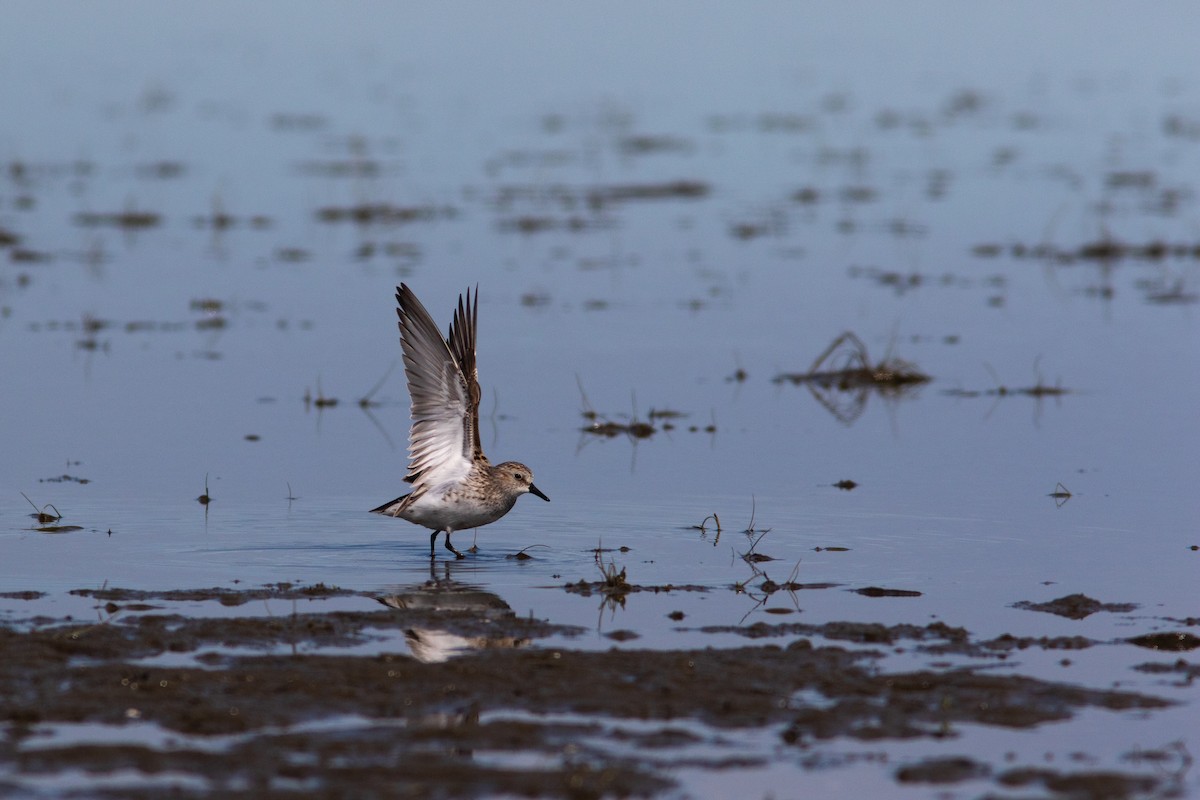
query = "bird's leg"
{"x": 432, "y": 539}
{"x": 450, "y": 547}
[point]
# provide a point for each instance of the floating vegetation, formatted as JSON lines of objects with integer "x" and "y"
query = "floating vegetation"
{"x": 320, "y": 401}
{"x": 348, "y": 168}
{"x": 806, "y": 196}
{"x": 739, "y": 375}
{"x": 41, "y": 514}
{"x": 1105, "y": 250}
{"x": 602, "y": 196}
{"x": 857, "y": 194}
{"x": 220, "y": 220}
{"x": 846, "y": 485}
{"x": 644, "y": 144}
{"x": 384, "y": 214}
{"x": 612, "y": 582}
{"x": 129, "y": 220}
{"x": 23, "y": 255}
{"x": 211, "y": 309}
{"x": 205, "y": 498}
{"x": 1061, "y": 495}
{"x": 774, "y": 224}
{"x": 540, "y": 224}
{"x": 45, "y": 520}
{"x": 781, "y": 122}
{"x": 292, "y": 255}
{"x": 903, "y": 282}
{"x": 285, "y": 121}
{"x": 1075, "y": 606}
{"x": 65, "y": 479}
{"x": 843, "y": 376}
{"x": 1037, "y": 391}
{"x": 59, "y": 528}
{"x": 161, "y": 170}
{"x": 634, "y": 428}
{"x": 752, "y": 557}
{"x": 876, "y": 591}
{"x": 1173, "y": 294}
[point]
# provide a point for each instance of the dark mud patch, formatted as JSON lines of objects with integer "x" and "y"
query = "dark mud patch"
{"x": 1186, "y": 671}
{"x": 879, "y": 591}
{"x": 182, "y": 697}
{"x": 1099, "y": 784}
{"x": 936, "y": 638}
{"x": 224, "y": 596}
{"x": 1076, "y": 606}
{"x": 25, "y": 595}
{"x": 1171, "y": 642}
{"x": 953, "y": 769}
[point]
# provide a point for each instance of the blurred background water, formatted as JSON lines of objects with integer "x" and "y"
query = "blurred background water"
{"x": 665, "y": 207}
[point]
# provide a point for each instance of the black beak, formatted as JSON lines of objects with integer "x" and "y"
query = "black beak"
{"x": 534, "y": 490}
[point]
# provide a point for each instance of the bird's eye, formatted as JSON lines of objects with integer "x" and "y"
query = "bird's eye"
{"x": 518, "y": 476}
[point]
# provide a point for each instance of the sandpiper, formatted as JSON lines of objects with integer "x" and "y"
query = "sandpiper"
{"x": 454, "y": 484}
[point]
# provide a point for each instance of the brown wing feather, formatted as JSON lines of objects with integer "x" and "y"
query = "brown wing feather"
{"x": 462, "y": 338}
{"x": 443, "y": 384}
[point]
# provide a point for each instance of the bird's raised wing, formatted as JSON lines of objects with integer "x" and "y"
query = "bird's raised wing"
{"x": 444, "y": 386}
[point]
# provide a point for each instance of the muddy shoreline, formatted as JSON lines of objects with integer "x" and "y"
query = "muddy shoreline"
{"x": 275, "y": 705}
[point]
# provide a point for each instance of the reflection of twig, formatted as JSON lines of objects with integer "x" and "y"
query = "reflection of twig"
{"x": 751, "y": 557}
{"x": 1061, "y": 495}
{"x": 366, "y": 400}
{"x": 387, "y": 437}
{"x": 613, "y": 586}
{"x": 703, "y": 527}
{"x": 588, "y": 412}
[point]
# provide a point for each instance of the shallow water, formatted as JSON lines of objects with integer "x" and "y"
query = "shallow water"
{"x": 986, "y": 194}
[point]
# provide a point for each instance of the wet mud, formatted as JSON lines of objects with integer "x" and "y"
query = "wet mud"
{"x": 262, "y": 705}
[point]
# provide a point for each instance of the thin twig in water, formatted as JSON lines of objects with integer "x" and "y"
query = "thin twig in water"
{"x": 750, "y": 528}
{"x": 40, "y": 513}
